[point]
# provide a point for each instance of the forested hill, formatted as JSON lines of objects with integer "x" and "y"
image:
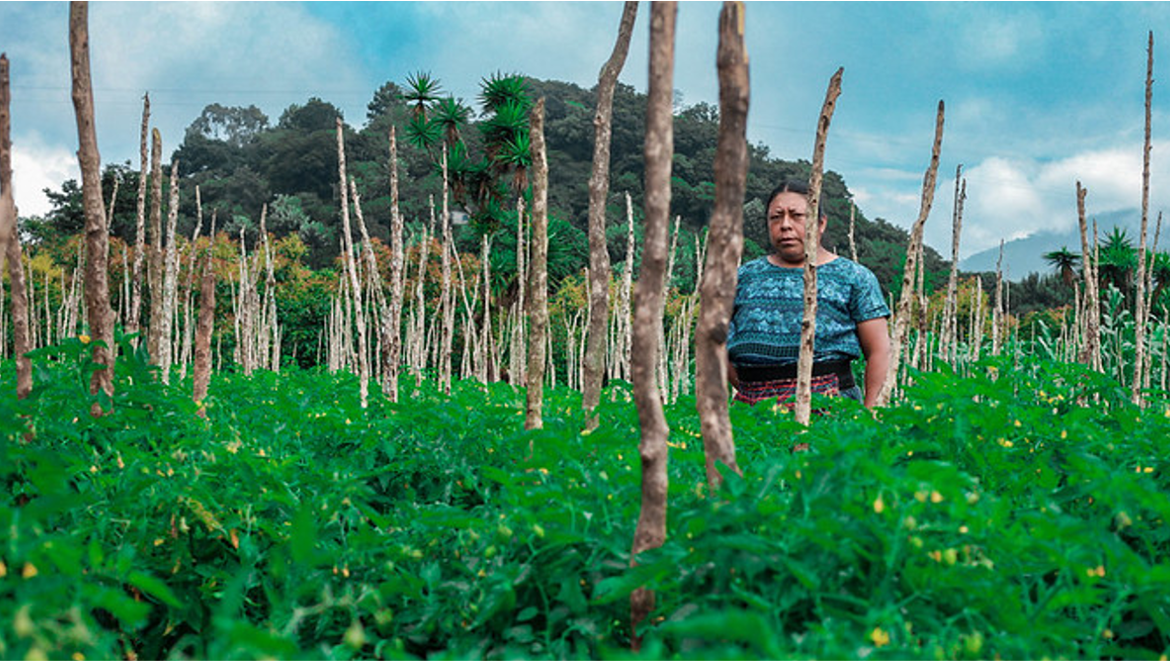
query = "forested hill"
{"x": 240, "y": 161}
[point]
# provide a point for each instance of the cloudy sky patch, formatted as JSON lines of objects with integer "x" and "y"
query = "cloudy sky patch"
{"x": 1038, "y": 95}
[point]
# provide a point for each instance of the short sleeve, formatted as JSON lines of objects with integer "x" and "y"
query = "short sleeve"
{"x": 867, "y": 301}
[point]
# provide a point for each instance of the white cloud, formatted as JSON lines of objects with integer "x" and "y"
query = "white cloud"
{"x": 1009, "y": 198}
{"x": 36, "y": 167}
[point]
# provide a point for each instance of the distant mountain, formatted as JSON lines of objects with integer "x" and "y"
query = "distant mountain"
{"x": 1024, "y": 256}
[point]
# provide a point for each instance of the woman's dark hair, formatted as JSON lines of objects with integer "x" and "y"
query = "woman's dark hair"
{"x": 795, "y": 186}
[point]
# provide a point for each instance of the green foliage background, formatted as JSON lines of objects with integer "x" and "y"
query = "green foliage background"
{"x": 1022, "y": 519}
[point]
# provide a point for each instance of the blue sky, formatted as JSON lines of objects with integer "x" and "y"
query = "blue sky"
{"x": 1038, "y": 95}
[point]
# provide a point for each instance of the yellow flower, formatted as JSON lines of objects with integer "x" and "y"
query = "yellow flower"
{"x": 879, "y": 637}
{"x": 29, "y": 570}
{"x": 878, "y": 505}
{"x": 84, "y": 339}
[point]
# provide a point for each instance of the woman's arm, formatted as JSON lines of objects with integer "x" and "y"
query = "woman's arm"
{"x": 874, "y": 337}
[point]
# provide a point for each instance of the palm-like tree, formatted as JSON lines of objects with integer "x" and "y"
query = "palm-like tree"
{"x": 1118, "y": 259}
{"x": 500, "y": 89}
{"x": 423, "y": 133}
{"x": 503, "y": 125}
{"x": 422, "y": 90}
{"x": 451, "y": 116}
{"x": 1065, "y": 263}
{"x": 517, "y": 155}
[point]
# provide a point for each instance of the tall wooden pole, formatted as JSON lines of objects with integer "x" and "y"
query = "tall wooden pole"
{"x": 135, "y": 320}
{"x": 351, "y": 269}
{"x": 97, "y": 289}
{"x": 902, "y": 320}
{"x": 717, "y": 290}
{"x": 393, "y": 339}
{"x": 1140, "y": 299}
{"x": 10, "y": 242}
{"x": 537, "y": 271}
{"x": 659, "y": 147}
{"x": 599, "y": 267}
{"x": 812, "y": 223}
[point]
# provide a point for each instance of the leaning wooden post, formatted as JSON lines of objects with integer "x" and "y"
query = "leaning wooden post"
{"x": 10, "y": 242}
{"x": 717, "y": 293}
{"x": 903, "y": 316}
{"x": 1091, "y": 335}
{"x": 97, "y": 288}
{"x": 812, "y": 221}
{"x": 351, "y": 270}
{"x": 1139, "y": 316}
{"x": 651, "y": 529}
{"x": 135, "y": 320}
{"x": 537, "y": 271}
{"x": 950, "y": 307}
{"x": 599, "y": 267}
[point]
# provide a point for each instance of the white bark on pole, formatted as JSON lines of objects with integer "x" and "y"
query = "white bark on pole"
{"x": 538, "y": 272}
{"x": 812, "y": 223}
{"x": 447, "y": 303}
{"x": 375, "y": 276}
{"x": 1091, "y": 336}
{"x": 351, "y": 270}
{"x": 624, "y": 336}
{"x": 659, "y": 145}
{"x": 170, "y": 277}
{"x": 154, "y": 269}
{"x": 519, "y": 361}
{"x": 1139, "y": 340}
{"x": 902, "y": 320}
{"x": 393, "y": 340}
{"x": 97, "y": 289}
{"x": 997, "y": 309}
{"x": 133, "y": 325}
{"x": 950, "y": 307}
{"x": 720, "y": 276}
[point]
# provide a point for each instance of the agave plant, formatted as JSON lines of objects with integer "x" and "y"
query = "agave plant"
{"x": 500, "y": 90}
{"x": 422, "y": 90}
{"x": 517, "y": 155}
{"x": 423, "y": 133}
{"x": 508, "y": 121}
{"x": 451, "y": 116}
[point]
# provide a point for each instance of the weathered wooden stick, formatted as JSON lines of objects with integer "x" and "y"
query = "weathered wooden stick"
{"x": 659, "y": 146}
{"x": 808, "y": 325}
{"x": 717, "y": 292}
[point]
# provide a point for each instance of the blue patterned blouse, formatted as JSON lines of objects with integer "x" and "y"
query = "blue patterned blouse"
{"x": 769, "y": 306}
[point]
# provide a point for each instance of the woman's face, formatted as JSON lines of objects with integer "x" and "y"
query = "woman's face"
{"x": 786, "y": 216}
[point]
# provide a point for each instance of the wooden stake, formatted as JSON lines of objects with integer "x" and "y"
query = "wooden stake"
{"x": 902, "y": 319}
{"x": 599, "y": 267}
{"x": 351, "y": 271}
{"x": 538, "y": 271}
{"x": 717, "y": 290}
{"x": 659, "y": 146}
{"x": 10, "y": 243}
{"x": 1140, "y": 298}
{"x": 97, "y": 289}
{"x": 132, "y": 325}
{"x": 808, "y": 325}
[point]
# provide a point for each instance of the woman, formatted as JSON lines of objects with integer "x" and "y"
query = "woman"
{"x": 764, "y": 335}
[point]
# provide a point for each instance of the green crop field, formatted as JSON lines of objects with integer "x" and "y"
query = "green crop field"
{"x": 1015, "y": 513}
